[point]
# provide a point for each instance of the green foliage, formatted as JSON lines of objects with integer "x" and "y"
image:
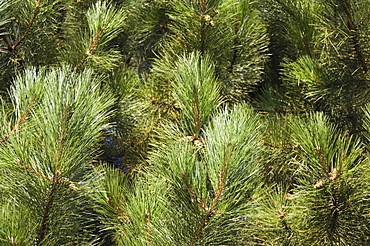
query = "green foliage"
{"x": 57, "y": 120}
{"x": 197, "y": 122}
{"x": 104, "y": 23}
{"x": 196, "y": 90}
{"x": 240, "y": 49}
{"x": 328, "y": 69}
{"x": 213, "y": 184}
{"x": 330, "y": 192}
{"x": 278, "y": 156}
{"x": 147, "y": 27}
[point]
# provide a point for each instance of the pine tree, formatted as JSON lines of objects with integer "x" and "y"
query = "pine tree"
{"x": 184, "y": 122}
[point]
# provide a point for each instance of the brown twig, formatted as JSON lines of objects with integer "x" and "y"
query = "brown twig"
{"x": 218, "y": 194}
{"x": 195, "y": 199}
{"x": 7, "y": 42}
{"x": 323, "y": 162}
{"x": 205, "y": 221}
{"x": 94, "y": 44}
{"x": 117, "y": 210}
{"x": 32, "y": 170}
{"x": 47, "y": 210}
{"x": 23, "y": 118}
{"x": 13, "y": 47}
{"x": 196, "y": 116}
{"x": 147, "y": 230}
{"x": 201, "y": 204}
{"x": 222, "y": 178}
{"x": 19, "y": 123}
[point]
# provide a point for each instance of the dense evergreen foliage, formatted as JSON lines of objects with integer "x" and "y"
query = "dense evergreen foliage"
{"x": 184, "y": 122}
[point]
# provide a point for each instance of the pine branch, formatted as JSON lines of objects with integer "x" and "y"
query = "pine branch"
{"x": 208, "y": 209}
{"x": 93, "y": 46}
{"x": 355, "y": 35}
{"x": 205, "y": 221}
{"x": 235, "y": 49}
{"x": 282, "y": 219}
{"x": 222, "y": 178}
{"x": 295, "y": 13}
{"x": 117, "y": 210}
{"x": 197, "y": 113}
{"x": 202, "y": 28}
{"x": 217, "y": 196}
{"x": 104, "y": 22}
{"x": 147, "y": 230}
{"x": 32, "y": 170}
{"x": 47, "y": 210}
{"x": 195, "y": 199}
{"x": 23, "y": 118}
{"x": 323, "y": 162}
{"x": 12, "y": 48}
{"x": 8, "y": 44}
{"x": 56, "y": 181}
{"x": 60, "y": 144}
{"x": 20, "y": 121}
{"x": 196, "y": 90}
